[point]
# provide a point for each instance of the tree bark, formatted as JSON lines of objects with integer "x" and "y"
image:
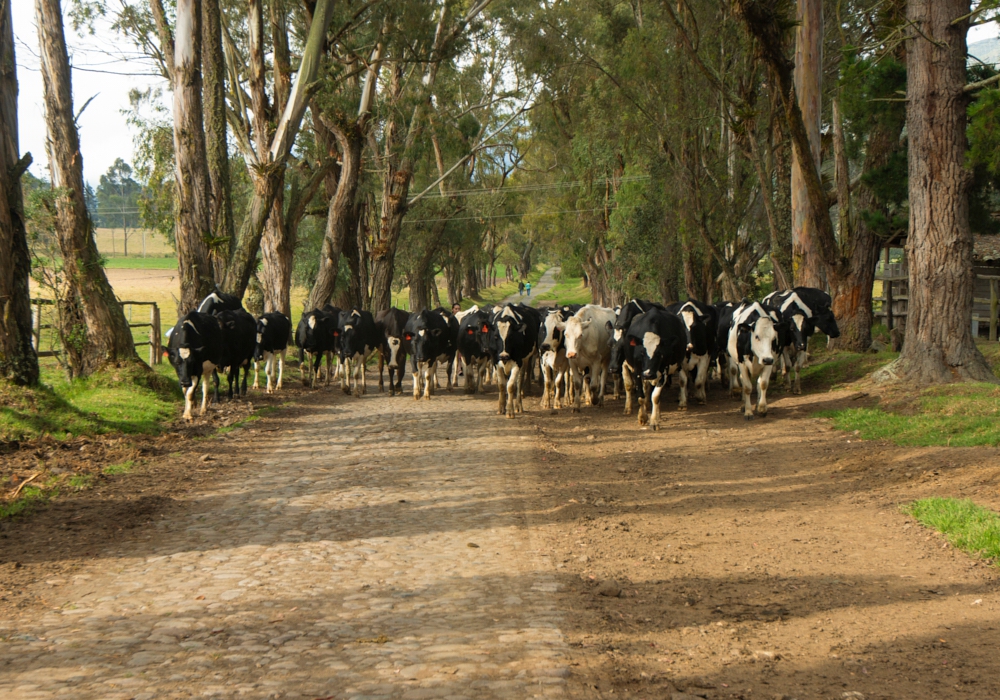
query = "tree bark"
{"x": 192, "y": 197}
{"x": 938, "y": 345}
{"x": 18, "y": 359}
{"x": 341, "y": 220}
{"x": 216, "y": 143}
{"x": 807, "y": 261}
{"x": 107, "y": 337}
{"x": 395, "y": 189}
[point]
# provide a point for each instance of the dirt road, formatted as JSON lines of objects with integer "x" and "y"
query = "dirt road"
{"x": 345, "y": 548}
{"x": 546, "y": 282}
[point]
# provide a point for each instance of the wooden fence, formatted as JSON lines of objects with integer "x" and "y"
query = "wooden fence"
{"x": 154, "y": 342}
{"x": 891, "y": 308}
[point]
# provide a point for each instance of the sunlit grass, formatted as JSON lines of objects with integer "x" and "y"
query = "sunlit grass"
{"x": 965, "y": 525}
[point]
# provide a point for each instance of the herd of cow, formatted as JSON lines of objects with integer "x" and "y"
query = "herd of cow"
{"x": 641, "y": 345}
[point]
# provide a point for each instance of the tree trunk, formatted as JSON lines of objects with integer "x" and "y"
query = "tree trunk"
{"x": 938, "y": 345}
{"x": 276, "y": 249}
{"x": 524, "y": 267}
{"x": 420, "y": 293}
{"x": 808, "y": 265}
{"x": 108, "y": 338}
{"x": 216, "y": 145}
{"x": 341, "y": 219}
{"x": 18, "y": 360}
{"x": 192, "y": 197}
{"x": 781, "y": 152}
{"x": 395, "y": 189}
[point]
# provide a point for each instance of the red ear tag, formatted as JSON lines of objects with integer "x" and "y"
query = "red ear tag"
{"x": 408, "y": 336}
{"x": 486, "y": 329}
{"x": 336, "y": 333}
{"x": 471, "y": 332}
{"x": 632, "y": 342}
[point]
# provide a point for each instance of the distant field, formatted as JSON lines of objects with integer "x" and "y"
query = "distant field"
{"x": 133, "y": 263}
{"x": 110, "y": 243}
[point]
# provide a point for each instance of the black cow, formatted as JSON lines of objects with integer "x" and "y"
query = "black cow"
{"x": 394, "y": 347}
{"x": 316, "y": 337}
{"x": 659, "y": 339}
{"x": 272, "y": 344}
{"x": 195, "y": 349}
{"x": 359, "y": 338}
{"x": 701, "y": 322}
{"x": 621, "y": 363}
{"x": 239, "y": 342}
{"x": 219, "y": 301}
{"x": 803, "y": 310}
{"x": 473, "y": 348}
{"x": 725, "y": 310}
{"x": 512, "y": 339}
{"x": 432, "y": 336}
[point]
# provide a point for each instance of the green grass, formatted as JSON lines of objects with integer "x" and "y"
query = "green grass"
{"x": 567, "y": 291}
{"x": 494, "y": 295}
{"x": 968, "y": 527}
{"x": 29, "y": 498}
{"x": 831, "y": 370}
{"x": 120, "y": 468}
{"x": 956, "y": 415}
{"x": 148, "y": 263}
{"x": 79, "y": 482}
{"x": 129, "y": 401}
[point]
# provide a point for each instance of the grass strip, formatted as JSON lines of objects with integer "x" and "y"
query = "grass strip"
{"x": 971, "y": 528}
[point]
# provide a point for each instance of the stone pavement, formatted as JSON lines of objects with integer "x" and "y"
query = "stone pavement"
{"x": 378, "y": 549}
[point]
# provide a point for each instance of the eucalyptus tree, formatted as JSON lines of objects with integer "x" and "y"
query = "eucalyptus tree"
{"x": 18, "y": 359}
{"x": 92, "y": 323}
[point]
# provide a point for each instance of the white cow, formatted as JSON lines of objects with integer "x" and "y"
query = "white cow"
{"x": 586, "y": 336}
{"x": 555, "y": 366}
{"x": 752, "y": 347}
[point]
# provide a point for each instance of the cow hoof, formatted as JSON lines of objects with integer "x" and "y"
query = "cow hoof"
{"x": 797, "y": 391}
{"x": 748, "y": 416}
{"x": 655, "y": 426}
{"x": 510, "y": 415}
{"x": 627, "y": 412}
{"x": 576, "y": 410}
{"x": 682, "y": 408}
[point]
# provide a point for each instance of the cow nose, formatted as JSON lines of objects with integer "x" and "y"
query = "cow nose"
{"x": 768, "y": 360}
{"x": 648, "y": 373}
{"x": 504, "y": 355}
{"x": 571, "y": 354}
{"x": 545, "y": 347}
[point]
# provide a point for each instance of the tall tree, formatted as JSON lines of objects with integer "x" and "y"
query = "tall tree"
{"x": 213, "y": 68}
{"x": 18, "y": 360}
{"x": 106, "y": 335}
{"x": 193, "y": 188}
{"x": 938, "y": 346}
{"x": 807, "y": 260}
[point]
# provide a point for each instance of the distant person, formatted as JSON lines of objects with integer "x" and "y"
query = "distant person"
{"x": 527, "y": 288}
{"x": 456, "y": 307}
{"x": 520, "y": 288}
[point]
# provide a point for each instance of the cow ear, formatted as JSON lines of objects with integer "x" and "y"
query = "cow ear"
{"x": 524, "y": 327}
{"x": 436, "y": 332}
{"x": 586, "y": 322}
{"x": 610, "y": 326}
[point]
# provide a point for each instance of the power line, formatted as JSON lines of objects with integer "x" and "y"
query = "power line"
{"x": 509, "y": 216}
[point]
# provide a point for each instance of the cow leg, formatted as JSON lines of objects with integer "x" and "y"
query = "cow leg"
{"x": 654, "y": 400}
{"x": 417, "y": 380}
{"x": 682, "y": 400}
{"x": 629, "y": 386}
{"x": 616, "y": 383}
{"x": 546, "y": 387}
{"x": 381, "y": 364}
{"x": 189, "y": 399}
{"x": 452, "y": 367}
{"x": 602, "y": 386}
{"x": 644, "y": 394}
{"x": 762, "y": 383}
{"x": 501, "y": 390}
{"x": 746, "y": 385}
{"x": 800, "y": 363}
{"x": 513, "y": 388}
{"x": 574, "y": 374}
{"x": 256, "y": 385}
{"x": 204, "y": 391}
{"x": 281, "y": 368}
{"x": 701, "y": 380}
{"x": 734, "y": 378}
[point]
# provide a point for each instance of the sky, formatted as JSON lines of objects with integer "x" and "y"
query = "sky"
{"x": 106, "y": 67}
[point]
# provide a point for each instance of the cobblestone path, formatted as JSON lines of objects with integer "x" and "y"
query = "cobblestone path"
{"x": 376, "y": 549}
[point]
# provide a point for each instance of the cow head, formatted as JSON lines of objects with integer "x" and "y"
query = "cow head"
{"x": 759, "y": 338}
{"x": 826, "y": 322}
{"x": 573, "y": 330}
{"x": 185, "y": 351}
{"x": 258, "y": 351}
{"x": 799, "y": 328}
{"x": 394, "y": 344}
{"x": 550, "y": 334}
{"x": 424, "y": 341}
{"x": 509, "y": 326}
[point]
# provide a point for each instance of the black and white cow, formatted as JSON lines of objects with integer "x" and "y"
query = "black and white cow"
{"x": 219, "y": 301}
{"x": 805, "y": 310}
{"x": 752, "y": 349}
{"x": 727, "y": 374}
{"x": 586, "y": 337}
{"x": 316, "y": 338}
{"x": 359, "y": 338}
{"x": 659, "y": 342}
{"x": 555, "y": 366}
{"x": 273, "y": 329}
{"x": 472, "y": 347}
{"x": 512, "y": 339}
{"x": 195, "y": 349}
{"x": 621, "y": 362}
{"x": 432, "y": 336}
{"x": 394, "y": 348}
{"x": 701, "y": 321}
{"x": 239, "y": 340}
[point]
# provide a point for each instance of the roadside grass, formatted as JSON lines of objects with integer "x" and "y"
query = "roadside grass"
{"x": 829, "y": 370}
{"x": 147, "y": 263}
{"x": 29, "y": 498}
{"x": 130, "y": 401}
{"x": 120, "y": 468}
{"x": 567, "y": 291}
{"x": 966, "y": 526}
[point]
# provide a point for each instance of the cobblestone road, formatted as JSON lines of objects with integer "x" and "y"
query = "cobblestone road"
{"x": 379, "y": 549}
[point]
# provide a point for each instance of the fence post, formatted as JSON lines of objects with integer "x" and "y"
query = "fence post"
{"x": 154, "y": 336}
{"x": 888, "y": 304}
{"x": 36, "y": 326}
{"x": 993, "y": 309}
